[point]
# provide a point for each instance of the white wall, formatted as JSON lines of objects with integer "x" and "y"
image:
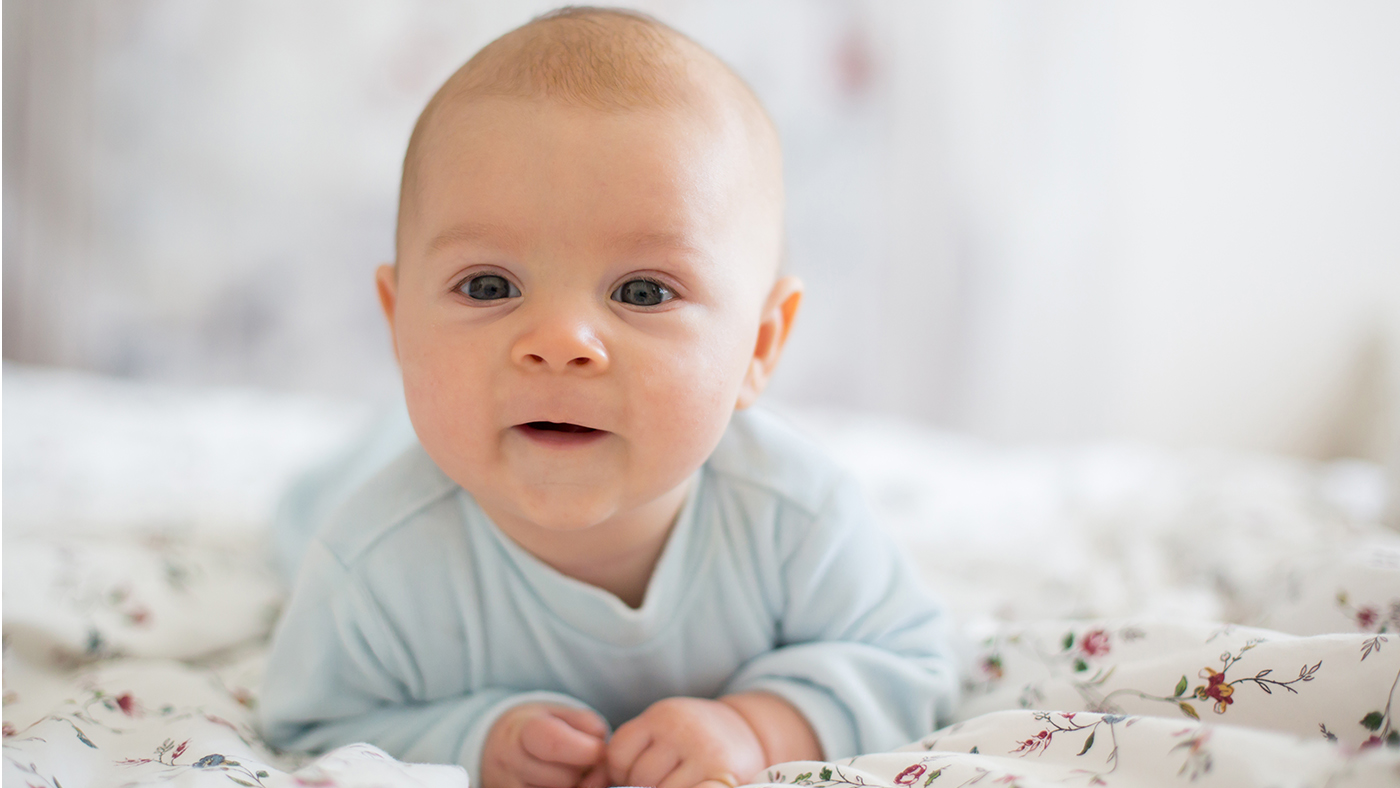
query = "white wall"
{"x": 1176, "y": 222}
{"x": 1164, "y": 221}
{"x": 1260, "y": 228}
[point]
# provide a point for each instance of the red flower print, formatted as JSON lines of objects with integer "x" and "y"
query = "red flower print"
{"x": 127, "y": 704}
{"x": 1366, "y": 617}
{"x": 1095, "y": 643}
{"x": 8, "y": 730}
{"x": 1216, "y": 688}
{"x": 911, "y": 775}
{"x": 1037, "y": 742}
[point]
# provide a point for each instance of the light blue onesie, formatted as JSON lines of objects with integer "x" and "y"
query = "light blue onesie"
{"x": 415, "y": 622}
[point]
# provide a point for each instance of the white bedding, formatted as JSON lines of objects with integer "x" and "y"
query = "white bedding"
{"x": 1132, "y": 616}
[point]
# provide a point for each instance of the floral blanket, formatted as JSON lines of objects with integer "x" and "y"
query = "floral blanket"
{"x": 1131, "y": 616}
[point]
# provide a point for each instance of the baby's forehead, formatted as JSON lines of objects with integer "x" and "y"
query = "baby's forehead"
{"x": 670, "y": 145}
{"x": 634, "y": 178}
{"x": 613, "y": 62}
{"x": 461, "y": 125}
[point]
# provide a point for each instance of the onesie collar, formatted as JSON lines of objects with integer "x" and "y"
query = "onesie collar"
{"x": 591, "y": 610}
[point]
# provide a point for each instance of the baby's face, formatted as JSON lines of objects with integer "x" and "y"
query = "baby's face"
{"x": 576, "y": 303}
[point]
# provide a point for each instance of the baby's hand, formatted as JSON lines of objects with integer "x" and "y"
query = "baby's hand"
{"x": 683, "y": 742}
{"x": 546, "y": 746}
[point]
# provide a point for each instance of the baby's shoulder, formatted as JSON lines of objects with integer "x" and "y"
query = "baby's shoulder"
{"x": 409, "y": 489}
{"x": 763, "y": 451}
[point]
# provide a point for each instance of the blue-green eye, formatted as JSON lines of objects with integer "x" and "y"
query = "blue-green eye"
{"x": 489, "y": 287}
{"x": 642, "y": 292}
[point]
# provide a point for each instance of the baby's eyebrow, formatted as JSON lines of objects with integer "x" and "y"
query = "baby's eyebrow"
{"x": 470, "y": 232}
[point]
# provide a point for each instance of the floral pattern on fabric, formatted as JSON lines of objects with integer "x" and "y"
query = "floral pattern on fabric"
{"x": 1238, "y": 675}
{"x": 74, "y": 601}
{"x": 1135, "y": 702}
{"x": 1379, "y": 618}
{"x": 125, "y": 736}
{"x": 1035, "y": 748}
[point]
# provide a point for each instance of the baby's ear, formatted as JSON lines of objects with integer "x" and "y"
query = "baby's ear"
{"x": 779, "y": 312}
{"x": 386, "y": 280}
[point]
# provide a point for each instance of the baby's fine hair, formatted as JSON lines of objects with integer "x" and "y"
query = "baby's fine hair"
{"x": 595, "y": 57}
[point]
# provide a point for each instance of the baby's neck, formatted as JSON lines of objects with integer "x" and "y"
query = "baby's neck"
{"x": 625, "y": 575}
{"x": 618, "y": 556}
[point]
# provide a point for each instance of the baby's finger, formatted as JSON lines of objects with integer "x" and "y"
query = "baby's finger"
{"x": 699, "y": 775}
{"x": 686, "y": 780}
{"x": 582, "y": 719}
{"x": 626, "y": 744}
{"x": 547, "y": 775}
{"x": 556, "y": 741}
{"x": 596, "y": 777}
{"x": 653, "y": 766}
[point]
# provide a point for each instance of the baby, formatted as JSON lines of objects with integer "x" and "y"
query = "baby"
{"x": 593, "y": 571}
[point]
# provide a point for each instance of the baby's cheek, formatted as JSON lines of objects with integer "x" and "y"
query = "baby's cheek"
{"x": 447, "y": 405}
{"x": 712, "y": 363}
{"x": 686, "y": 415}
{"x": 695, "y": 394}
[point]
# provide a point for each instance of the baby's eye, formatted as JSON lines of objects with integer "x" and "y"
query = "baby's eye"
{"x": 489, "y": 287}
{"x": 642, "y": 292}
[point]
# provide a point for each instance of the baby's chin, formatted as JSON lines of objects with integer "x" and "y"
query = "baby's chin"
{"x": 590, "y": 502}
{"x": 557, "y": 508}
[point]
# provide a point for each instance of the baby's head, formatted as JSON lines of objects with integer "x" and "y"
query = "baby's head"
{"x": 590, "y": 229}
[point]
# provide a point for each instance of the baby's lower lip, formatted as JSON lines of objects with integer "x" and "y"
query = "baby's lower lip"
{"x": 559, "y": 433}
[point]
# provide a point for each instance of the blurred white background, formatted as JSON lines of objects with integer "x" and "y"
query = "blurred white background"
{"x": 1176, "y": 222}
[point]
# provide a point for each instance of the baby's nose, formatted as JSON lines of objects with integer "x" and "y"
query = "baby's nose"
{"x": 561, "y": 345}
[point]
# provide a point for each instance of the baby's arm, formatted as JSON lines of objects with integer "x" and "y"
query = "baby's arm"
{"x": 864, "y": 657}
{"x": 782, "y": 730}
{"x": 684, "y": 742}
{"x": 340, "y": 672}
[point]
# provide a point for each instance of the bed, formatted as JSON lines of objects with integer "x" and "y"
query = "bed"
{"x": 1128, "y": 615}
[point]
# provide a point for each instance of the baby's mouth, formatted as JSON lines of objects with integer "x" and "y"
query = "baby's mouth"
{"x": 554, "y": 426}
{"x": 560, "y": 434}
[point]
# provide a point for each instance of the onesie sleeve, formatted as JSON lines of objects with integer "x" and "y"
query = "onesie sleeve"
{"x": 337, "y": 673}
{"x": 864, "y": 653}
